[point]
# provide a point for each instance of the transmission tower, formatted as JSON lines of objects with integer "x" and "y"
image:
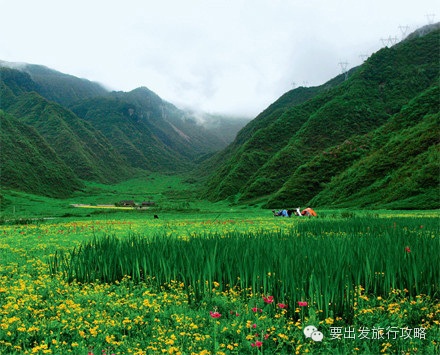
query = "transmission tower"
{"x": 404, "y": 30}
{"x": 293, "y": 85}
{"x": 389, "y": 42}
{"x": 392, "y": 40}
{"x": 430, "y": 18}
{"x": 344, "y": 71}
{"x": 384, "y": 42}
{"x": 305, "y": 83}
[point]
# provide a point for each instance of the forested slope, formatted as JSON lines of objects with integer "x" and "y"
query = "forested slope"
{"x": 278, "y": 157}
{"x": 28, "y": 163}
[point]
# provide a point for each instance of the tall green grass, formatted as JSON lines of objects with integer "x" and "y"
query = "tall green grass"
{"x": 319, "y": 261}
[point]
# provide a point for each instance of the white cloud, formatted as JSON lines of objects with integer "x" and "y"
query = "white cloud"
{"x": 232, "y": 57}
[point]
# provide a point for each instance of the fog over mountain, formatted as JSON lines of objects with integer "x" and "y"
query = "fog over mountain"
{"x": 231, "y": 58}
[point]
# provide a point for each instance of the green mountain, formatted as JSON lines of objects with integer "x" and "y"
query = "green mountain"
{"x": 146, "y": 131}
{"x": 149, "y": 132}
{"x": 55, "y": 86}
{"x": 28, "y": 163}
{"x": 80, "y": 146}
{"x": 368, "y": 141}
{"x": 131, "y": 136}
{"x": 110, "y": 137}
{"x": 278, "y": 157}
{"x": 176, "y": 128}
{"x": 394, "y": 166}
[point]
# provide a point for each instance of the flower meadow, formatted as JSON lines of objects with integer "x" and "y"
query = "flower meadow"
{"x": 238, "y": 286}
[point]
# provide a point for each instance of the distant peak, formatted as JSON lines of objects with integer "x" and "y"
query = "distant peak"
{"x": 142, "y": 89}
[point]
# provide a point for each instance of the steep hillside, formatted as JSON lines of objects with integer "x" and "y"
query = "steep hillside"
{"x": 81, "y": 147}
{"x": 283, "y": 142}
{"x": 14, "y": 82}
{"x": 173, "y": 126}
{"x": 28, "y": 163}
{"x": 131, "y": 136}
{"x": 137, "y": 129}
{"x": 55, "y": 86}
{"x": 149, "y": 132}
{"x": 250, "y": 150}
{"x": 89, "y": 154}
{"x": 311, "y": 180}
{"x": 401, "y": 169}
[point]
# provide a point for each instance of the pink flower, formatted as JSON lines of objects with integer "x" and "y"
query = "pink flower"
{"x": 421, "y": 226}
{"x": 302, "y": 304}
{"x": 282, "y": 305}
{"x": 215, "y": 314}
{"x": 269, "y": 299}
{"x": 408, "y": 250}
{"x": 266, "y": 336}
{"x": 256, "y": 309}
{"x": 254, "y": 325}
{"x": 257, "y": 344}
{"x": 237, "y": 314}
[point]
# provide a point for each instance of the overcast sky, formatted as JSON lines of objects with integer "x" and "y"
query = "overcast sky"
{"x": 232, "y": 57}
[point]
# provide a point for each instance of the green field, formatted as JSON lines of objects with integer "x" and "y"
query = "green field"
{"x": 212, "y": 278}
{"x": 170, "y": 192}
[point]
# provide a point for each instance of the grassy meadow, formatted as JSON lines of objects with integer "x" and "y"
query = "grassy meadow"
{"x": 210, "y": 278}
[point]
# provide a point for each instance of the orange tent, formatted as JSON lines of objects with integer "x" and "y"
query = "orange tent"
{"x": 308, "y": 212}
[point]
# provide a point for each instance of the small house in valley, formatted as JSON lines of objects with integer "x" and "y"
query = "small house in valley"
{"x": 126, "y": 203}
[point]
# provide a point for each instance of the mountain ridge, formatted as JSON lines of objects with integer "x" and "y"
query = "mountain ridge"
{"x": 289, "y": 134}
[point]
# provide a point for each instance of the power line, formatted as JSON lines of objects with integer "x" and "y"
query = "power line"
{"x": 343, "y": 66}
{"x": 404, "y": 30}
{"x": 392, "y": 40}
{"x": 384, "y": 42}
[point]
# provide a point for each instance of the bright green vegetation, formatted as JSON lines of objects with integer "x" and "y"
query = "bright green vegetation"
{"x": 149, "y": 132}
{"x": 100, "y": 136}
{"x": 76, "y": 142}
{"x": 188, "y": 266}
{"x": 322, "y": 261}
{"x": 81, "y": 148}
{"x": 170, "y": 193}
{"x": 394, "y": 166}
{"x": 366, "y": 142}
{"x": 318, "y": 145}
{"x": 20, "y": 141}
{"x": 216, "y": 273}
